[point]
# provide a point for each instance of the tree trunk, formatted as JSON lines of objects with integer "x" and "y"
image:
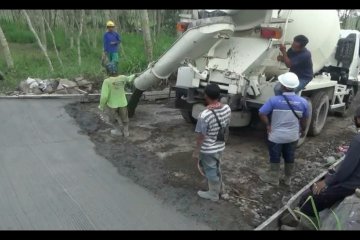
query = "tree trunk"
{"x": 146, "y": 34}
{"x": 154, "y": 24}
{"x": 71, "y": 17}
{"x": 54, "y": 42}
{"x": 6, "y": 50}
{"x": 71, "y": 42}
{"x": 107, "y": 15}
{"x": 38, "y": 40}
{"x": 55, "y": 16}
{"x": 94, "y": 25}
{"x": 79, "y": 36}
{"x": 159, "y": 21}
{"x": 42, "y": 29}
{"x": 357, "y": 27}
{"x": 345, "y": 19}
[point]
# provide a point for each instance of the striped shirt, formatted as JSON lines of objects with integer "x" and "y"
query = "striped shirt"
{"x": 208, "y": 126}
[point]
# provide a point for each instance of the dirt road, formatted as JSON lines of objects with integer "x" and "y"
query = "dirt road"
{"x": 157, "y": 155}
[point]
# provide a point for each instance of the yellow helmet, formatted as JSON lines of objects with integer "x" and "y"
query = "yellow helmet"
{"x": 110, "y": 24}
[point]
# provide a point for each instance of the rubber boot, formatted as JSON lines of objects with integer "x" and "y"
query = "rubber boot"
{"x": 272, "y": 175}
{"x": 126, "y": 130}
{"x": 289, "y": 169}
{"x": 213, "y": 193}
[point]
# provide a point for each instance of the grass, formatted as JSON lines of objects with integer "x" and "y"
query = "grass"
{"x": 29, "y": 60}
{"x": 317, "y": 225}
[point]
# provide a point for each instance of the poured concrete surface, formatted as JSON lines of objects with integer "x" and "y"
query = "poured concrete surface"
{"x": 51, "y": 177}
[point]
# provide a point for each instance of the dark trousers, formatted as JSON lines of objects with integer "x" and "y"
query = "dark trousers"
{"x": 286, "y": 150}
{"x": 324, "y": 200}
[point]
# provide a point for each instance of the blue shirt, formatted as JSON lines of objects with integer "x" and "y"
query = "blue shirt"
{"x": 111, "y": 37}
{"x": 301, "y": 64}
{"x": 285, "y": 127}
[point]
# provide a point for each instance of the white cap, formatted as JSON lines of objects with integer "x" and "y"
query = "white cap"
{"x": 289, "y": 80}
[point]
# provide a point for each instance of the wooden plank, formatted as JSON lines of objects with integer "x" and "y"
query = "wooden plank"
{"x": 272, "y": 222}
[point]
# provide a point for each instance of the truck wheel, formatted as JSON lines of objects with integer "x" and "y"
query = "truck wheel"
{"x": 348, "y": 99}
{"x": 302, "y": 140}
{"x": 320, "y": 110}
{"x": 187, "y": 115}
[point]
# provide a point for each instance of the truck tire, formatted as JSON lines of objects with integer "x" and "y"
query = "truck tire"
{"x": 302, "y": 140}
{"x": 187, "y": 115}
{"x": 320, "y": 103}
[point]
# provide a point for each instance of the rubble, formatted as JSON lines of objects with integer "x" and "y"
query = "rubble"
{"x": 75, "y": 86}
{"x": 36, "y": 86}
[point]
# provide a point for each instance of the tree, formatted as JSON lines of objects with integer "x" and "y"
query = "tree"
{"x": 54, "y": 42}
{"x": 42, "y": 28}
{"x": 146, "y": 34}
{"x": 160, "y": 17}
{"x": 6, "y": 50}
{"x": 79, "y": 35}
{"x": 95, "y": 27}
{"x": 38, "y": 40}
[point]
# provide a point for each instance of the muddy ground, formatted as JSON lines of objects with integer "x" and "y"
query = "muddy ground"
{"x": 157, "y": 155}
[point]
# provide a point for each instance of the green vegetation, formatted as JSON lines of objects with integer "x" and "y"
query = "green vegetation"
{"x": 29, "y": 61}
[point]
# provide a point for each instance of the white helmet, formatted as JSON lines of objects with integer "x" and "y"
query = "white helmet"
{"x": 289, "y": 80}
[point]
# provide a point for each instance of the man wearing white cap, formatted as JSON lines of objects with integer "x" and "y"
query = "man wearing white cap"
{"x": 288, "y": 121}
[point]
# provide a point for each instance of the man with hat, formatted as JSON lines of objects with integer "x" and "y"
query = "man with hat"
{"x": 288, "y": 121}
{"x": 112, "y": 41}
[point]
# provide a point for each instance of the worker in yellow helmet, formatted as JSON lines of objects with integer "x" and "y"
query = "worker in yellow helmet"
{"x": 112, "y": 41}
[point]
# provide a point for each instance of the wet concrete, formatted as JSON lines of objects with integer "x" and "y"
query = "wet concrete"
{"x": 52, "y": 179}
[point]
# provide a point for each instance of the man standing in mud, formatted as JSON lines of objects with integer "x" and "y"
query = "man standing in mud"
{"x": 289, "y": 113}
{"x": 210, "y": 145}
{"x": 113, "y": 99}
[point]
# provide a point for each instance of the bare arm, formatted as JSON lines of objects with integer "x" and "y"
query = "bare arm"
{"x": 199, "y": 140}
{"x": 303, "y": 126}
{"x": 284, "y": 58}
{"x": 287, "y": 60}
{"x": 201, "y": 130}
{"x": 265, "y": 120}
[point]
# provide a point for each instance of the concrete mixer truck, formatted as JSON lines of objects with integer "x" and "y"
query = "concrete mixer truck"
{"x": 237, "y": 49}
